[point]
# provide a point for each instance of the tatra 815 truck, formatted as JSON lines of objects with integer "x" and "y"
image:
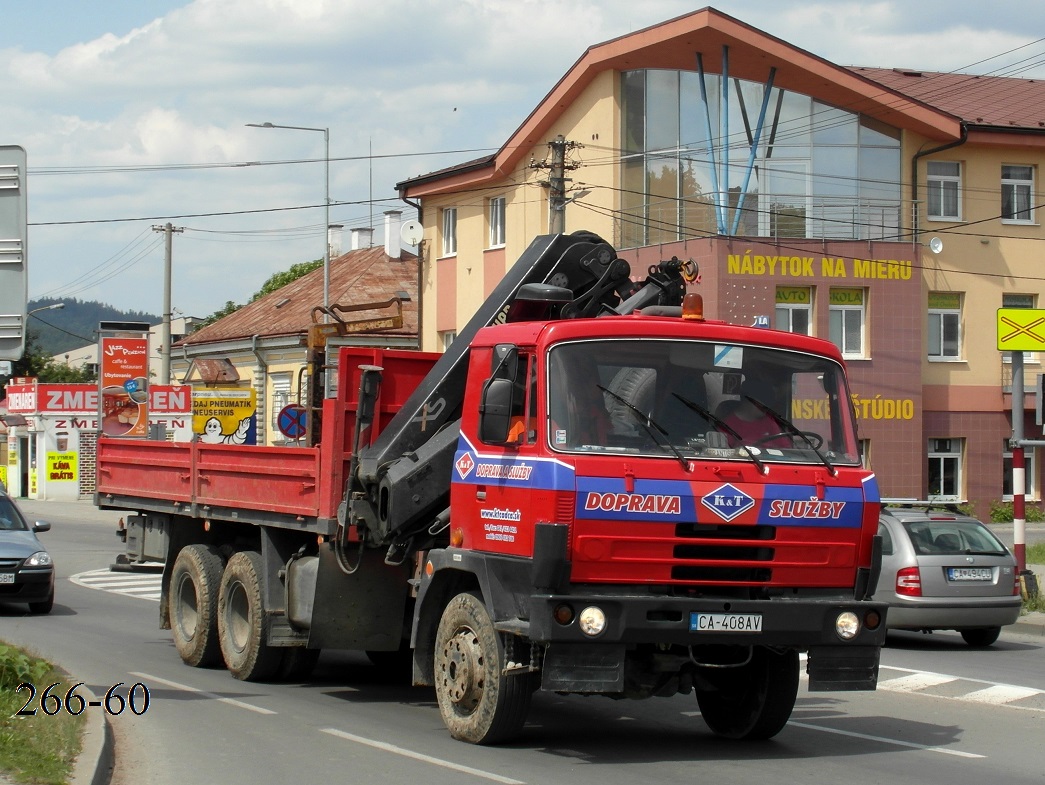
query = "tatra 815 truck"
{"x": 570, "y": 499}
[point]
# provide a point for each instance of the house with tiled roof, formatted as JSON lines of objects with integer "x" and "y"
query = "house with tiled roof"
{"x": 889, "y": 210}
{"x": 264, "y": 345}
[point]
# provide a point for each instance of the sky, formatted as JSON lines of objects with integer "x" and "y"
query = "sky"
{"x": 134, "y": 113}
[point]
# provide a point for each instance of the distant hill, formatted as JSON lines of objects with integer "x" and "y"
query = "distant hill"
{"x": 75, "y": 325}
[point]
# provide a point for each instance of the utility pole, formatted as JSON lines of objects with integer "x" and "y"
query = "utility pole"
{"x": 557, "y": 179}
{"x": 165, "y": 327}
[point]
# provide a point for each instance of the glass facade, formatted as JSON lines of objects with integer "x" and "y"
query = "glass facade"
{"x": 819, "y": 171}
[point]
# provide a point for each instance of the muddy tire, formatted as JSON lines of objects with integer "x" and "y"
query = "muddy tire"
{"x": 243, "y": 626}
{"x": 193, "y": 604}
{"x": 754, "y": 701}
{"x": 477, "y": 702}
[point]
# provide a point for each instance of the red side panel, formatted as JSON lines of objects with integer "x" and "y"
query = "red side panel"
{"x": 274, "y": 479}
{"x": 153, "y": 469}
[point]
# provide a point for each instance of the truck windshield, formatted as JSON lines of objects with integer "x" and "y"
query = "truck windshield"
{"x": 700, "y": 400}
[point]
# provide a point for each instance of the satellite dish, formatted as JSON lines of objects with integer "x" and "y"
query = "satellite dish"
{"x": 935, "y": 244}
{"x": 412, "y": 232}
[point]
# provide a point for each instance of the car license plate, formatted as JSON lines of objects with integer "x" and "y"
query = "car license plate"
{"x": 970, "y": 574}
{"x": 7, "y": 577}
{"x": 725, "y": 622}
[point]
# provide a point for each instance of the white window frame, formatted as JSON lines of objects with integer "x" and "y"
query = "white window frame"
{"x": 1014, "y": 188}
{"x": 947, "y": 449}
{"x": 281, "y": 382}
{"x": 449, "y": 231}
{"x": 495, "y": 218}
{"x": 1030, "y": 486}
{"x": 842, "y": 312}
{"x": 447, "y": 337}
{"x": 938, "y": 321}
{"x": 785, "y": 314}
{"x": 942, "y": 186}
{"x": 1015, "y": 300}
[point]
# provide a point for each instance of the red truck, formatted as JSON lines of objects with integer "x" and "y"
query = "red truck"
{"x": 573, "y": 498}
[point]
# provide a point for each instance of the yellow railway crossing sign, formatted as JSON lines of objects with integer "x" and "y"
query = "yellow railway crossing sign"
{"x": 1021, "y": 329}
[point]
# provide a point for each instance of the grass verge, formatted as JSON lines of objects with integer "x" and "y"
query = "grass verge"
{"x": 1036, "y": 555}
{"x": 39, "y": 749}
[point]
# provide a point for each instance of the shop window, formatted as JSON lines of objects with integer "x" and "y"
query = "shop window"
{"x": 846, "y": 319}
{"x": 449, "y": 231}
{"x": 495, "y": 217}
{"x": 1030, "y": 485}
{"x": 945, "y": 470}
{"x": 945, "y": 320}
{"x": 944, "y": 186}
{"x": 1017, "y": 188}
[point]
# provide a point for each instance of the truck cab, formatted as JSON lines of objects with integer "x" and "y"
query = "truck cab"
{"x": 661, "y": 505}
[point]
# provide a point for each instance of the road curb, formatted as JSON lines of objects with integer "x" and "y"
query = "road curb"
{"x": 94, "y": 764}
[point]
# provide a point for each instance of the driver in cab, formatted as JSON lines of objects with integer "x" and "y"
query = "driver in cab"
{"x": 750, "y": 420}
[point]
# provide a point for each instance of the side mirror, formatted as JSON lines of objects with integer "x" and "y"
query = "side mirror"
{"x": 41, "y": 526}
{"x": 495, "y": 411}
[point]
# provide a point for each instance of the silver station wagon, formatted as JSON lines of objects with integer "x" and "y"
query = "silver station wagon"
{"x": 942, "y": 570}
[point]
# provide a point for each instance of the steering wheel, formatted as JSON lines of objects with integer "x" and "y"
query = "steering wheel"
{"x": 815, "y": 438}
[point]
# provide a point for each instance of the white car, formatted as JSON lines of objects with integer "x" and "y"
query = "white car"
{"x": 942, "y": 570}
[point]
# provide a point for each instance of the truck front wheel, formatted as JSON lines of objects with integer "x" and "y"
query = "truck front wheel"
{"x": 243, "y": 626}
{"x": 193, "y": 604}
{"x": 753, "y": 701}
{"x": 478, "y": 703}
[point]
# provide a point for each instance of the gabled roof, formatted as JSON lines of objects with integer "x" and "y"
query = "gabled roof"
{"x": 998, "y": 101}
{"x": 360, "y": 276}
{"x": 674, "y": 45}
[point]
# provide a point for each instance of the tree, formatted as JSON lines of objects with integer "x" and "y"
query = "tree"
{"x": 276, "y": 281}
{"x": 37, "y": 363}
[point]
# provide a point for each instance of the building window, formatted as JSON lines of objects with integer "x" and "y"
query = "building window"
{"x": 944, "y": 184}
{"x": 945, "y": 470}
{"x": 280, "y": 395}
{"x": 447, "y": 337}
{"x": 449, "y": 231}
{"x": 1017, "y": 187}
{"x": 495, "y": 216}
{"x": 794, "y": 309}
{"x": 846, "y": 321}
{"x": 1019, "y": 301}
{"x": 1029, "y": 487}
{"x": 945, "y": 326}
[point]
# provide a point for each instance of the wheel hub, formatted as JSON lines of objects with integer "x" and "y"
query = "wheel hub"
{"x": 462, "y": 670}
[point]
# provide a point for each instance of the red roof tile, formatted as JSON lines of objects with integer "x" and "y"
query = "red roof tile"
{"x": 361, "y": 276}
{"x": 1000, "y": 101}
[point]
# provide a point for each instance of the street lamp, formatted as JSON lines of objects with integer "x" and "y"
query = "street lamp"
{"x": 326, "y": 201}
{"x": 51, "y": 307}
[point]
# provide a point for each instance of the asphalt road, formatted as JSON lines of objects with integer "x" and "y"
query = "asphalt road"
{"x": 943, "y": 712}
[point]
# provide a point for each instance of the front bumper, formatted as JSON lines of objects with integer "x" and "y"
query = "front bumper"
{"x": 31, "y": 585}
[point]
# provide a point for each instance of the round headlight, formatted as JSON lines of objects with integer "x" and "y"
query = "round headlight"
{"x": 847, "y": 625}
{"x": 592, "y": 621}
{"x": 39, "y": 559}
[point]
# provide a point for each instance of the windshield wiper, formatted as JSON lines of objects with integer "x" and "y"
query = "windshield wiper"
{"x": 721, "y": 425}
{"x": 790, "y": 428}
{"x": 649, "y": 425}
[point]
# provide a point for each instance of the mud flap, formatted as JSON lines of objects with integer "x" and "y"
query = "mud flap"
{"x": 838, "y": 668}
{"x": 583, "y": 668}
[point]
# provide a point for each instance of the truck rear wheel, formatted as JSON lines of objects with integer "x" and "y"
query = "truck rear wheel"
{"x": 193, "y": 604}
{"x": 243, "y": 626}
{"x": 753, "y": 701}
{"x": 478, "y": 703}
